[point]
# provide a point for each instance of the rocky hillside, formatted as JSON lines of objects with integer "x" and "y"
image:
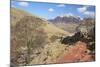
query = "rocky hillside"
{"x": 29, "y": 33}
{"x": 37, "y": 41}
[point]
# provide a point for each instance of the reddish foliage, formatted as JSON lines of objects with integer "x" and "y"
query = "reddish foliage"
{"x": 76, "y": 54}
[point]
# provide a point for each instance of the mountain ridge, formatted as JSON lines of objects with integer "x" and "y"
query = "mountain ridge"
{"x": 65, "y": 19}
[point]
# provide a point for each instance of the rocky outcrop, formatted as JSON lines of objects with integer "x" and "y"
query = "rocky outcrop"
{"x": 72, "y": 39}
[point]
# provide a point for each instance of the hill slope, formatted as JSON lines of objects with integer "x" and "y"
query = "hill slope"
{"x": 17, "y": 14}
{"x": 28, "y": 33}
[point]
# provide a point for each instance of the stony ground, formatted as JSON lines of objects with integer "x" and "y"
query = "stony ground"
{"x": 60, "y": 53}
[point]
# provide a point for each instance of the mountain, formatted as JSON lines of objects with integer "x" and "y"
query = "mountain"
{"x": 65, "y": 19}
{"x": 67, "y": 23}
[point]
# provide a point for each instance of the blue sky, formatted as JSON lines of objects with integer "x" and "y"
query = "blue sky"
{"x": 52, "y": 10}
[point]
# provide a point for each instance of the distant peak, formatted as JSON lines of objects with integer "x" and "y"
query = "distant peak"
{"x": 66, "y": 19}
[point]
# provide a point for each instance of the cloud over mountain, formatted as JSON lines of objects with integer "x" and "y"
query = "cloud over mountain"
{"x": 85, "y": 11}
{"x": 23, "y": 3}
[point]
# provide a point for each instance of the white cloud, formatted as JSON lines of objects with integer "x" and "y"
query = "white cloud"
{"x": 61, "y": 5}
{"x": 50, "y": 9}
{"x": 67, "y": 15}
{"x": 82, "y": 9}
{"x": 23, "y": 3}
{"x": 70, "y": 14}
{"x": 89, "y": 13}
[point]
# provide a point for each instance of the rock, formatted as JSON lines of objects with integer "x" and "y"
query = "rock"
{"x": 72, "y": 39}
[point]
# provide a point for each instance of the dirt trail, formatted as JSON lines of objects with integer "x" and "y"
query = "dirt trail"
{"x": 77, "y": 53}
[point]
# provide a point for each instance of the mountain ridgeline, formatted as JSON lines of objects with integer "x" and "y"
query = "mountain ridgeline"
{"x": 65, "y": 19}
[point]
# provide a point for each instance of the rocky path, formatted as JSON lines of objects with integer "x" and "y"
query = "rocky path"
{"x": 77, "y": 53}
